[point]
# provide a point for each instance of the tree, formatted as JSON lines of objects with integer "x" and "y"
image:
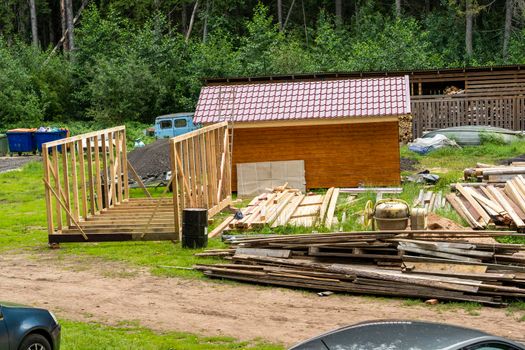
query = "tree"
{"x": 509, "y": 7}
{"x": 339, "y": 11}
{"x": 34, "y": 26}
{"x": 398, "y": 8}
{"x": 469, "y": 18}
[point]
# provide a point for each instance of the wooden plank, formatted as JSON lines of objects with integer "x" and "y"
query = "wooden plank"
{"x": 118, "y": 167}
{"x": 91, "y": 185}
{"x": 82, "y": 136}
{"x": 484, "y": 216}
{"x": 106, "y": 170}
{"x": 65, "y": 179}
{"x": 54, "y": 152}
{"x": 331, "y": 208}
{"x": 124, "y": 150}
{"x": 112, "y": 183}
{"x": 222, "y": 164}
{"x": 288, "y": 211}
{"x": 109, "y": 237}
{"x": 82, "y": 170}
{"x": 324, "y": 205}
{"x": 49, "y": 203}
{"x": 175, "y": 190}
{"x": 137, "y": 178}
{"x": 74, "y": 180}
{"x": 98, "y": 180}
{"x": 221, "y": 227}
{"x": 276, "y": 253}
{"x": 508, "y": 208}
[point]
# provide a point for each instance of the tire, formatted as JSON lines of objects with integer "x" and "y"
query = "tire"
{"x": 35, "y": 342}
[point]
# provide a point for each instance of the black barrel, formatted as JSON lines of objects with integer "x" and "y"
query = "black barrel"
{"x": 194, "y": 228}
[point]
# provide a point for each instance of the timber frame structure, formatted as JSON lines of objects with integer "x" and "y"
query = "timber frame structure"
{"x": 87, "y": 194}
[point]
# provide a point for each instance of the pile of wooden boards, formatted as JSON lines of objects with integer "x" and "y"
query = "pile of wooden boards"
{"x": 483, "y": 204}
{"x": 495, "y": 174}
{"x": 422, "y": 264}
{"x": 429, "y": 200}
{"x": 283, "y": 206}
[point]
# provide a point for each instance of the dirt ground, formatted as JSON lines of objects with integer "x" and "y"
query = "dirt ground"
{"x": 89, "y": 289}
{"x": 13, "y": 163}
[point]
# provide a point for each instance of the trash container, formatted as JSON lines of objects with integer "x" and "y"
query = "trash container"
{"x": 4, "y": 147}
{"x": 21, "y": 140}
{"x": 42, "y": 137}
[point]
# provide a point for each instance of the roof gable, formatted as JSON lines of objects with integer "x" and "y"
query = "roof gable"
{"x": 341, "y": 98}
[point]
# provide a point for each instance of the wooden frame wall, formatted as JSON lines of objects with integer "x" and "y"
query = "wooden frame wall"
{"x": 83, "y": 176}
{"x": 201, "y": 160}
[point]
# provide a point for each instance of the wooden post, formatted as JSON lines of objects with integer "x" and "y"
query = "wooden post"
{"x": 91, "y": 184}
{"x": 49, "y": 203}
{"x": 57, "y": 185}
{"x": 112, "y": 182}
{"x": 74, "y": 178}
{"x": 125, "y": 164}
{"x": 98, "y": 180}
{"x": 118, "y": 165}
{"x": 65, "y": 175}
{"x": 175, "y": 188}
{"x": 105, "y": 170}
{"x": 82, "y": 169}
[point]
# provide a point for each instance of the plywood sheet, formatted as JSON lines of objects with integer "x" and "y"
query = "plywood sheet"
{"x": 255, "y": 178}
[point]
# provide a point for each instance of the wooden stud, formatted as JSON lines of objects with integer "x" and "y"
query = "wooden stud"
{"x": 124, "y": 150}
{"x": 112, "y": 188}
{"x": 82, "y": 170}
{"x": 91, "y": 184}
{"x": 74, "y": 179}
{"x": 54, "y": 151}
{"x": 65, "y": 179}
{"x": 98, "y": 179}
{"x": 105, "y": 170}
{"x": 49, "y": 203}
{"x": 118, "y": 165}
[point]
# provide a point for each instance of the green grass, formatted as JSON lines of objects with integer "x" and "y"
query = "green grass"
{"x": 129, "y": 335}
{"x": 470, "y": 308}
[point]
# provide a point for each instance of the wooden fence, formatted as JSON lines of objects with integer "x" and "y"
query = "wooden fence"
{"x": 437, "y": 112}
{"x": 201, "y": 160}
{"x": 83, "y": 176}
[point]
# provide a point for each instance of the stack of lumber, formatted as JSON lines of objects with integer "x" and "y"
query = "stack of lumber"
{"x": 283, "y": 206}
{"x": 429, "y": 200}
{"x": 495, "y": 174}
{"x": 422, "y": 264}
{"x": 484, "y": 204}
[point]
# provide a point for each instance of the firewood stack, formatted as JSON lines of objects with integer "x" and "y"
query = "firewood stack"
{"x": 421, "y": 264}
{"x": 405, "y": 129}
{"x": 483, "y": 205}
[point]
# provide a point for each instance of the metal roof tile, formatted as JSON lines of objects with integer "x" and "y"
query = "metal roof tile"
{"x": 304, "y": 100}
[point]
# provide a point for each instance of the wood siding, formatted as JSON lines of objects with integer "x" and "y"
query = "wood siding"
{"x": 343, "y": 155}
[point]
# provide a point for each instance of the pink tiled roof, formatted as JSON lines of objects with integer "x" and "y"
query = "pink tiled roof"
{"x": 304, "y": 100}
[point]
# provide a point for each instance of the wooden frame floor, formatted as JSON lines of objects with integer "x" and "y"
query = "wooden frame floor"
{"x": 138, "y": 219}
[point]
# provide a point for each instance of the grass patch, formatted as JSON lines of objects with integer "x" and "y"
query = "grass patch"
{"x": 129, "y": 335}
{"x": 470, "y": 308}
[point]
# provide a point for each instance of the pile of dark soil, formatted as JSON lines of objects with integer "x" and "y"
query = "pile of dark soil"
{"x": 408, "y": 164}
{"x": 151, "y": 161}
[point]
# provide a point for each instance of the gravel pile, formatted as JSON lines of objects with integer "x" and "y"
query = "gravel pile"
{"x": 151, "y": 161}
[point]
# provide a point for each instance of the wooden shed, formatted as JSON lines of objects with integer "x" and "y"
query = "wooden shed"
{"x": 345, "y": 130}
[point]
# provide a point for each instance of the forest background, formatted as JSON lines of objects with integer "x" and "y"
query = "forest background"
{"x": 110, "y": 62}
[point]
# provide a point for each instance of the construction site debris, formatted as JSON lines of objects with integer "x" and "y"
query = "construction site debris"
{"x": 441, "y": 265}
{"x": 494, "y": 174}
{"x": 283, "y": 206}
{"x": 429, "y": 200}
{"x": 429, "y": 144}
{"x": 486, "y": 205}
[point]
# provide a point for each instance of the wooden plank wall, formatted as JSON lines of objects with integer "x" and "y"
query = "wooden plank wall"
{"x": 342, "y": 155}
{"x": 437, "y": 112}
{"x": 83, "y": 176}
{"x": 201, "y": 159}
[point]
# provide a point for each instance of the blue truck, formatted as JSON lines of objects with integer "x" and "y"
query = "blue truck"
{"x": 171, "y": 125}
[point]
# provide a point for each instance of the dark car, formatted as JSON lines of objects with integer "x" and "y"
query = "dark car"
{"x": 26, "y": 328}
{"x": 407, "y": 335}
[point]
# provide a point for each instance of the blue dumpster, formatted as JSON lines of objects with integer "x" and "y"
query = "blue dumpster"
{"x": 42, "y": 137}
{"x": 21, "y": 140}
